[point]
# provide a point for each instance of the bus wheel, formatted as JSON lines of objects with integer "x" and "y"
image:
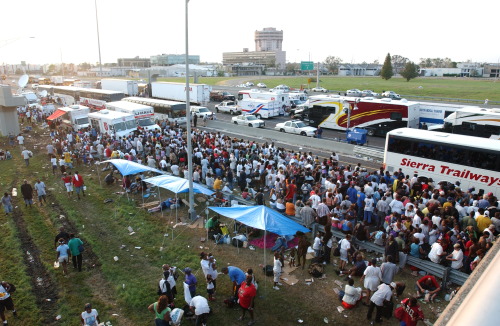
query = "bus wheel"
{"x": 232, "y": 112}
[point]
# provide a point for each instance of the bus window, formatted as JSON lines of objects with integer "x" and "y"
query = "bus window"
{"x": 396, "y": 116}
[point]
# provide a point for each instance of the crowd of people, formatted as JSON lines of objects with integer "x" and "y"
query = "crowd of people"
{"x": 439, "y": 222}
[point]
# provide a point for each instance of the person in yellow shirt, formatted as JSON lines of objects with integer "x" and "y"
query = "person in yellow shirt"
{"x": 218, "y": 184}
{"x": 67, "y": 160}
{"x": 483, "y": 220}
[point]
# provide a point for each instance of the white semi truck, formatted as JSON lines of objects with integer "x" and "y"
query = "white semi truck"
{"x": 198, "y": 93}
{"x": 129, "y": 87}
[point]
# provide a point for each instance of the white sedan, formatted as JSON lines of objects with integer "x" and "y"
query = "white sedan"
{"x": 261, "y": 85}
{"x": 320, "y": 89}
{"x": 248, "y": 120}
{"x": 296, "y": 127}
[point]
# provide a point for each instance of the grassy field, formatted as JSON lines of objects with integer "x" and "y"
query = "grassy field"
{"x": 437, "y": 87}
{"x": 121, "y": 290}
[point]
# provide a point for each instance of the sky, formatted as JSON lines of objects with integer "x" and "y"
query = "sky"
{"x": 65, "y": 31}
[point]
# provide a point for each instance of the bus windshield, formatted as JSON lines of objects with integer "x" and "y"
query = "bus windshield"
{"x": 144, "y": 122}
{"x": 82, "y": 121}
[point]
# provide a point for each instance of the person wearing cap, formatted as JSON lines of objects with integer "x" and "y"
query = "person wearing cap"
{"x": 456, "y": 257}
{"x": 191, "y": 281}
{"x": 89, "y": 317}
{"x": 63, "y": 253}
{"x": 380, "y": 299}
{"x": 483, "y": 219}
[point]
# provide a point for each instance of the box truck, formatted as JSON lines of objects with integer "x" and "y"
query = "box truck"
{"x": 115, "y": 123}
{"x": 260, "y": 108}
{"x": 76, "y": 117}
{"x": 198, "y": 93}
{"x": 143, "y": 114}
{"x": 129, "y": 87}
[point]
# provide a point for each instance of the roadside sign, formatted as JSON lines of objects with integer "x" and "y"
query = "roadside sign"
{"x": 306, "y": 65}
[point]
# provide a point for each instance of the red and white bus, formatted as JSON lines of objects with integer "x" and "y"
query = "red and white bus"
{"x": 472, "y": 161}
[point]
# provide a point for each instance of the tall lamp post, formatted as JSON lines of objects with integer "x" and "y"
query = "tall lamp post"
{"x": 192, "y": 211}
{"x": 98, "y": 38}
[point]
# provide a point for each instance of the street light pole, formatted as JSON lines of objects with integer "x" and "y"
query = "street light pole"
{"x": 192, "y": 211}
{"x": 98, "y": 38}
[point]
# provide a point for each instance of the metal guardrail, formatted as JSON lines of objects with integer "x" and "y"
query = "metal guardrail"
{"x": 369, "y": 152}
{"x": 444, "y": 273}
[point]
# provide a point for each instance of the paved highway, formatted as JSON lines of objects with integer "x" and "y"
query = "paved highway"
{"x": 378, "y": 142}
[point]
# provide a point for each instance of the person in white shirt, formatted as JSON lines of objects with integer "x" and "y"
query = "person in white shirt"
{"x": 456, "y": 257}
{"x": 89, "y": 317}
{"x": 199, "y": 305}
{"x": 436, "y": 252}
{"x": 20, "y": 139}
{"x": 383, "y": 294}
{"x": 277, "y": 270}
{"x": 315, "y": 200}
{"x": 396, "y": 206}
{"x": 175, "y": 169}
{"x": 26, "y": 155}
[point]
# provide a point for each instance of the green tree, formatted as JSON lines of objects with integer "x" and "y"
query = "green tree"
{"x": 410, "y": 71}
{"x": 387, "y": 72}
{"x": 332, "y": 64}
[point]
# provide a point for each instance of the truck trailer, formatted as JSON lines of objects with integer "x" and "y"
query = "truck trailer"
{"x": 129, "y": 87}
{"x": 198, "y": 93}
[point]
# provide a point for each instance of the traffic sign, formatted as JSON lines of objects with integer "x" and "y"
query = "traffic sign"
{"x": 306, "y": 65}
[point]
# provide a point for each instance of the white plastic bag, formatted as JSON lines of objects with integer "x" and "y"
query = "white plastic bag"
{"x": 56, "y": 264}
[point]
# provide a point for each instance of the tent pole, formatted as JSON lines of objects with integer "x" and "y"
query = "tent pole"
{"x": 265, "y": 236}
{"x": 98, "y": 173}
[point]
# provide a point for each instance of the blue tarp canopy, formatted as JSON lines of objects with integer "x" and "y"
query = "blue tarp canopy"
{"x": 128, "y": 167}
{"x": 263, "y": 218}
{"x": 177, "y": 185}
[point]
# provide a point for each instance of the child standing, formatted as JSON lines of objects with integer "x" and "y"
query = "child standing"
{"x": 210, "y": 287}
{"x": 277, "y": 270}
{"x": 293, "y": 253}
{"x": 317, "y": 245}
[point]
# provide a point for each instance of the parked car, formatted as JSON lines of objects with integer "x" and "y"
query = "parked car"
{"x": 283, "y": 88}
{"x": 249, "y": 84}
{"x": 296, "y": 127}
{"x": 391, "y": 94}
{"x": 261, "y": 85}
{"x": 353, "y": 92}
{"x": 320, "y": 89}
{"x": 201, "y": 111}
{"x": 228, "y": 107}
{"x": 369, "y": 93}
{"x": 248, "y": 120}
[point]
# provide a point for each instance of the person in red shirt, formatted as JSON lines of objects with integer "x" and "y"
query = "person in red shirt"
{"x": 246, "y": 295}
{"x": 67, "y": 183}
{"x": 291, "y": 191}
{"x": 411, "y": 312}
{"x": 78, "y": 183}
{"x": 428, "y": 284}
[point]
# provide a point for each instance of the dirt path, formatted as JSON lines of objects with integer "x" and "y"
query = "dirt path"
{"x": 44, "y": 286}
